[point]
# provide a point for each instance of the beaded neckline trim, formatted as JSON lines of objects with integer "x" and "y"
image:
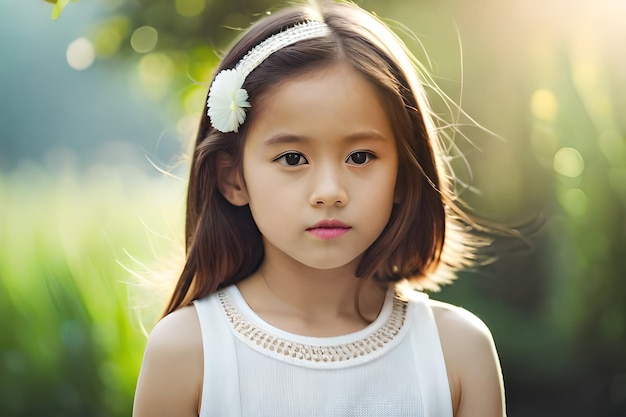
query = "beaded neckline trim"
{"x": 359, "y": 351}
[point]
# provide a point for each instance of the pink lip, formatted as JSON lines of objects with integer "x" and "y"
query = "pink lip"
{"x": 328, "y": 229}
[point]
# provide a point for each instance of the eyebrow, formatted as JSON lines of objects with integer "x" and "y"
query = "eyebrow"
{"x": 366, "y": 134}
{"x": 286, "y": 138}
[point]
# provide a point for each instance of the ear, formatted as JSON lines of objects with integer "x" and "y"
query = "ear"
{"x": 230, "y": 181}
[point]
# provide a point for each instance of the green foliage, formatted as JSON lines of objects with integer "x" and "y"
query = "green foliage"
{"x": 71, "y": 343}
{"x": 59, "y": 5}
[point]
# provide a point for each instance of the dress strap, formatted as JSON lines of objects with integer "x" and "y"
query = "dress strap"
{"x": 431, "y": 367}
{"x": 220, "y": 387}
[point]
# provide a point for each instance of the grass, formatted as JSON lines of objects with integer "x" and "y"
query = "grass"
{"x": 71, "y": 340}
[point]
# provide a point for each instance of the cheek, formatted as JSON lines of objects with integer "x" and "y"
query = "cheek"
{"x": 261, "y": 187}
{"x": 380, "y": 197}
{"x": 265, "y": 199}
{"x": 389, "y": 183}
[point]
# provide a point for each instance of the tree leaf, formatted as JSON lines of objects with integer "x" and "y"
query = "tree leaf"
{"x": 59, "y": 5}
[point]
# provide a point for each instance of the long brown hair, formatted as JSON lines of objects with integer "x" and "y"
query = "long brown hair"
{"x": 427, "y": 236}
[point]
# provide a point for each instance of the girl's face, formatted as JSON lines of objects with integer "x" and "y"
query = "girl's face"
{"x": 320, "y": 166}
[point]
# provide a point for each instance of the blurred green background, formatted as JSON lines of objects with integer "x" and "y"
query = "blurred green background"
{"x": 96, "y": 112}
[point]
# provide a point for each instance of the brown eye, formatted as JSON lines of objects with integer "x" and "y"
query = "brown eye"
{"x": 292, "y": 159}
{"x": 359, "y": 158}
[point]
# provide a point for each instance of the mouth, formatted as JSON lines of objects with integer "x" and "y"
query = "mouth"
{"x": 328, "y": 229}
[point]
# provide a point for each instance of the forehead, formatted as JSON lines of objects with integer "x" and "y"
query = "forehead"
{"x": 333, "y": 101}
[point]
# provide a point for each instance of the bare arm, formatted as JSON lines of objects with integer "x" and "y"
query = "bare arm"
{"x": 170, "y": 380}
{"x": 472, "y": 363}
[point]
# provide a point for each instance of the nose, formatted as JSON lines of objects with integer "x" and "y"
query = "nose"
{"x": 328, "y": 188}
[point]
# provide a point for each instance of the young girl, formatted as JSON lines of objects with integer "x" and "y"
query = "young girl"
{"x": 318, "y": 187}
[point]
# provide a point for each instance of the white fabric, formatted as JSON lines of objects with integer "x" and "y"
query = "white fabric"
{"x": 242, "y": 377}
{"x": 220, "y": 390}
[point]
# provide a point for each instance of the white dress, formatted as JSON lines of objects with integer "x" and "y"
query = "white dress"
{"x": 393, "y": 367}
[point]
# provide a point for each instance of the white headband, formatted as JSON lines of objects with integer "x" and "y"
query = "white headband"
{"x": 227, "y": 98}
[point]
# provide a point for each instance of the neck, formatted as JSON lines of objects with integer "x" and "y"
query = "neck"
{"x": 313, "y": 291}
{"x": 310, "y": 301}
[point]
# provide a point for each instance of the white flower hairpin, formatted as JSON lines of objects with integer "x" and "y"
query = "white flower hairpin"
{"x": 228, "y": 99}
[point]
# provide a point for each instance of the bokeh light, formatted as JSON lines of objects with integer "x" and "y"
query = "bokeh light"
{"x": 144, "y": 39}
{"x": 574, "y": 201}
{"x": 80, "y": 54}
{"x": 109, "y": 35}
{"x": 190, "y": 8}
{"x": 156, "y": 71}
{"x": 544, "y": 105}
{"x": 568, "y": 162}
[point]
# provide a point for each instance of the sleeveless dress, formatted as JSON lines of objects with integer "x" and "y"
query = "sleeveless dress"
{"x": 393, "y": 367}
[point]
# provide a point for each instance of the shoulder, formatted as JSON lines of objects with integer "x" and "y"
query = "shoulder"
{"x": 471, "y": 360}
{"x": 178, "y": 332}
{"x": 170, "y": 380}
{"x": 460, "y": 323}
